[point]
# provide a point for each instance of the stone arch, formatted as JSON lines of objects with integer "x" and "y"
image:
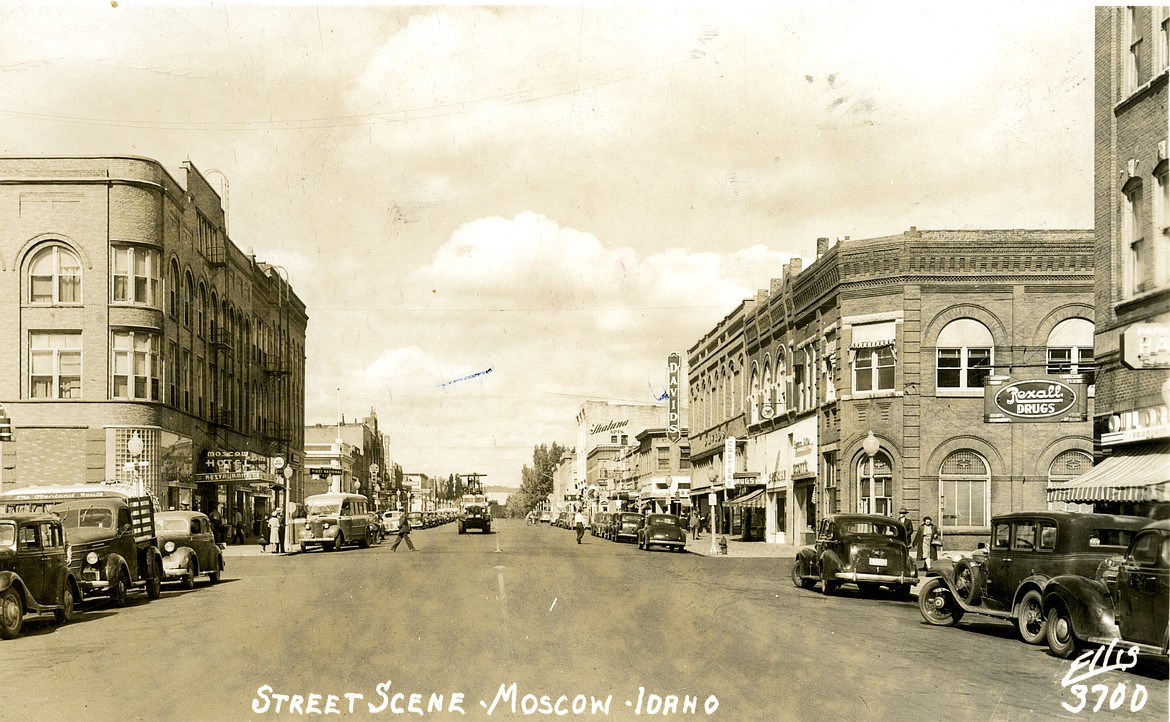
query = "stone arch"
{"x": 933, "y": 327}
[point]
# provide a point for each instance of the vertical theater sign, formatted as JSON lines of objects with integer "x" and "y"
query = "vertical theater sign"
{"x": 673, "y": 427}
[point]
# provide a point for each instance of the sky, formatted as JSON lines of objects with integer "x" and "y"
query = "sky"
{"x": 494, "y": 214}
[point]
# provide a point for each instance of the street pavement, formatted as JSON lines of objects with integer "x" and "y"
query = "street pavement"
{"x": 508, "y": 619}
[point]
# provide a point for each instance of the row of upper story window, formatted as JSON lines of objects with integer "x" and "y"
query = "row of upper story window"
{"x": 1145, "y": 233}
{"x": 1140, "y": 25}
{"x": 55, "y": 279}
{"x": 137, "y": 373}
{"x": 798, "y": 380}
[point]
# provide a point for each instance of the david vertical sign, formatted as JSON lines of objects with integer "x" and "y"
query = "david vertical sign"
{"x": 673, "y": 430}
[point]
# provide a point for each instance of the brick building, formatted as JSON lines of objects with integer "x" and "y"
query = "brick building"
{"x": 1132, "y": 292}
{"x": 924, "y": 340}
{"x": 140, "y": 343}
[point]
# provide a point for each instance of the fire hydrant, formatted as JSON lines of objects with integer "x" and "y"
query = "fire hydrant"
{"x": 723, "y": 545}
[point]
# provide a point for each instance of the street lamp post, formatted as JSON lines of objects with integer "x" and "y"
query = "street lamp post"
{"x": 870, "y": 445}
{"x": 134, "y": 447}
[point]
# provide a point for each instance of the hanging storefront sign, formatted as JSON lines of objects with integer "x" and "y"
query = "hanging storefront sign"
{"x": 729, "y": 463}
{"x": 1040, "y": 400}
{"x": 1146, "y": 346}
{"x": 673, "y": 429}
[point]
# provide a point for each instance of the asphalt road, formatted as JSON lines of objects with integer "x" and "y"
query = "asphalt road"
{"x": 600, "y": 628}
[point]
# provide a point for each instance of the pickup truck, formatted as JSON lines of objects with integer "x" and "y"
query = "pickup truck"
{"x": 110, "y": 531}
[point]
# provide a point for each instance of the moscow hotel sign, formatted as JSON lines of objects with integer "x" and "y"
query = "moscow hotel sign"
{"x": 1041, "y": 400}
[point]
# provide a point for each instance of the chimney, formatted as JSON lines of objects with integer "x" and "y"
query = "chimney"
{"x": 795, "y": 265}
{"x": 822, "y": 246}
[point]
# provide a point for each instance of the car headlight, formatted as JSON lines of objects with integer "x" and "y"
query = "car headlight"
{"x": 91, "y": 558}
{"x": 325, "y": 526}
{"x": 169, "y": 547}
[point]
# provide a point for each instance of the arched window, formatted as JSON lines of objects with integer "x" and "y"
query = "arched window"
{"x": 173, "y": 290}
{"x": 1064, "y": 468}
{"x": 779, "y": 372}
{"x": 54, "y": 276}
{"x": 964, "y": 355}
{"x": 754, "y": 412}
{"x": 875, "y": 485}
{"x": 964, "y": 490}
{"x": 201, "y": 311}
{"x": 188, "y": 295}
{"x": 1070, "y": 348}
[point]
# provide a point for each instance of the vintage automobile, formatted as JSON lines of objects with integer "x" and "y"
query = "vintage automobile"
{"x": 34, "y": 571}
{"x": 625, "y": 526}
{"x": 1127, "y": 601}
{"x": 598, "y": 523}
{"x": 664, "y": 530}
{"x": 188, "y": 546}
{"x": 545, "y": 516}
{"x": 390, "y": 522}
{"x": 335, "y": 519}
{"x": 416, "y": 519}
{"x": 1027, "y": 550}
{"x": 868, "y": 550}
{"x": 474, "y": 513}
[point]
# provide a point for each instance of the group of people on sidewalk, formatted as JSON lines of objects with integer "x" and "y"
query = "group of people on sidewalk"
{"x": 926, "y": 541}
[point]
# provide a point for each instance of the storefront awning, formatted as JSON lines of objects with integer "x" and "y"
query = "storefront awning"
{"x": 1141, "y": 473}
{"x": 754, "y": 500}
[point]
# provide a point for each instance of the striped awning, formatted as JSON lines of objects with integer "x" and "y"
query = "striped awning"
{"x": 1139, "y": 473}
{"x": 753, "y": 499}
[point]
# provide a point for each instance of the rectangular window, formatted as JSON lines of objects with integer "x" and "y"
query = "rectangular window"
{"x": 185, "y": 377}
{"x": 964, "y": 502}
{"x": 1132, "y": 42}
{"x": 135, "y": 275}
{"x": 950, "y": 368}
{"x": 873, "y": 369}
{"x": 1025, "y": 536}
{"x": 1160, "y": 274}
{"x": 173, "y": 374}
{"x": 1162, "y": 36}
{"x": 1138, "y": 265}
{"x": 663, "y": 457}
{"x": 135, "y": 366}
{"x": 55, "y": 365}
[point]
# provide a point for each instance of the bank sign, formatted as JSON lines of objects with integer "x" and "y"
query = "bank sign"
{"x": 1033, "y": 400}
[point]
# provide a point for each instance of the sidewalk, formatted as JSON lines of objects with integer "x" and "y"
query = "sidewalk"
{"x": 252, "y": 548}
{"x": 737, "y": 548}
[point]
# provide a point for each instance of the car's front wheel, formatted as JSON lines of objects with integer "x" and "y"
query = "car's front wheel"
{"x": 118, "y": 589}
{"x": 153, "y": 580}
{"x": 192, "y": 572}
{"x": 1030, "y": 621}
{"x": 937, "y": 605}
{"x": 11, "y": 614}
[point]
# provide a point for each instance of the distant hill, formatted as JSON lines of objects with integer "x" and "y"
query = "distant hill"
{"x": 499, "y": 489}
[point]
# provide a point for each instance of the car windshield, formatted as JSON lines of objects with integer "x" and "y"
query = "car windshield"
{"x": 7, "y": 536}
{"x": 324, "y": 509}
{"x": 631, "y": 518}
{"x": 174, "y": 525}
{"x": 869, "y": 527}
{"x": 74, "y": 517}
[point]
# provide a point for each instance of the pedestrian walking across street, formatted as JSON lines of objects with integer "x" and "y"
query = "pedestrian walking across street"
{"x": 579, "y": 523}
{"x": 403, "y": 533}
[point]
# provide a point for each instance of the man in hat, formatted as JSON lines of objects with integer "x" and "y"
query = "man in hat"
{"x": 904, "y": 520}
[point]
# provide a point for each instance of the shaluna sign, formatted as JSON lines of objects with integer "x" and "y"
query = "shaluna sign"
{"x": 1033, "y": 400}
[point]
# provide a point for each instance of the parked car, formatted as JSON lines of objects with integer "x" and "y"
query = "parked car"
{"x": 34, "y": 571}
{"x": 1027, "y": 550}
{"x": 626, "y": 526}
{"x": 415, "y": 518}
{"x": 545, "y": 516}
{"x": 663, "y": 530}
{"x": 868, "y": 550}
{"x": 390, "y": 522}
{"x": 1128, "y": 600}
{"x": 598, "y": 523}
{"x": 188, "y": 547}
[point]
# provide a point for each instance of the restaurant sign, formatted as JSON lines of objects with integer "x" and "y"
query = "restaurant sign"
{"x": 1033, "y": 400}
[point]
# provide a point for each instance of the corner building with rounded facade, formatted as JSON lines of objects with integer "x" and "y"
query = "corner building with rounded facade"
{"x": 138, "y": 342}
{"x": 968, "y": 355}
